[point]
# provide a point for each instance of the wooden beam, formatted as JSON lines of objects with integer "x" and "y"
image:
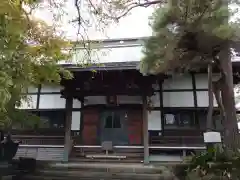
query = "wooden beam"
{"x": 145, "y": 131}
{"x": 102, "y": 92}
{"x": 67, "y": 139}
{"x": 108, "y": 78}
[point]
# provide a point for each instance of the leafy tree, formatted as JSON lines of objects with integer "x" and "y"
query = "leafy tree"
{"x": 30, "y": 51}
{"x": 189, "y": 35}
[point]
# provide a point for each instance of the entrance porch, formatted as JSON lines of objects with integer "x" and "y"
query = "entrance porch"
{"x": 113, "y": 115}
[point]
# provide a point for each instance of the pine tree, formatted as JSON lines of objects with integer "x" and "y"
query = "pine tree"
{"x": 192, "y": 34}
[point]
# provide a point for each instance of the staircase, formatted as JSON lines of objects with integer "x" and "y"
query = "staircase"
{"x": 41, "y": 152}
{"x": 97, "y": 154}
{"x": 101, "y": 171}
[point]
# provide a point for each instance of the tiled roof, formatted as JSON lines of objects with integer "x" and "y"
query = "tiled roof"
{"x": 105, "y": 66}
{"x": 116, "y": 66}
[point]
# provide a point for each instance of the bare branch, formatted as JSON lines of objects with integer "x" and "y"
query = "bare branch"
{"x": 135, "y": 5}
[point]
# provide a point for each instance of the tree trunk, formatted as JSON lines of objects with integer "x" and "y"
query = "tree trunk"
{"x": 210, "y": 99}
{"x": 230, "y": 121}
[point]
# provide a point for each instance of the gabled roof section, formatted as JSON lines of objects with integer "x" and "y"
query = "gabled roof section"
{"x": 113, "y": 54}
{"x": 107, "y": 51}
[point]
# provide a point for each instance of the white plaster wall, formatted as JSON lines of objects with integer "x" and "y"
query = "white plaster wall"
{"x": 91, "y": 100}
{"x": 109, "y": 54}
{"x": 76, "y": 120}
{"x": 129, "y": 99}
{"x": 49, "y": 89}
{"x": 155, "y": 100}
{"x": 161, "y": 157}
{"x": 202, "y": 80}
{"x": 154, "y": 120}
{"x": 31, "y": 102}
{"x": 51, "y": 101}
{"x": 178, "y": 99}
{"x": 178, "y": 82}
{"x": 202, "y": 99}
{"x": 76, "y": 103}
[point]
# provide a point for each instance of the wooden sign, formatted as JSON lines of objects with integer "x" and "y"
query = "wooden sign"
{"x": 112, "y": 100}
{"x": 212, "y": 137}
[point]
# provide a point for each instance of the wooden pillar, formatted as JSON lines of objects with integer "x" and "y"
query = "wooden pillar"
{"x": 81, "y": 120}
{"x": 145, "y": 131}
{"x": 68, "y": 118}
{"x": 160, "y": 83}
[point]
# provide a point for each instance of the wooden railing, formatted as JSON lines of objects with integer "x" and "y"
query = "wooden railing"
{"x": 39, "y": 132}
{"x": 39, "y": 140}
{"x": 176, "y": 140}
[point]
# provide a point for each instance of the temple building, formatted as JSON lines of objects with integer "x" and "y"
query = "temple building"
{"x": 112, "y": 112}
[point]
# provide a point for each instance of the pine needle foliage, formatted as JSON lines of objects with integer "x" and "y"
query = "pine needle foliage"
{"x": 188, "y": 34}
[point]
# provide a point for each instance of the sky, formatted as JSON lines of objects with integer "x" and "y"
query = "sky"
{"x": 134, "y": 24}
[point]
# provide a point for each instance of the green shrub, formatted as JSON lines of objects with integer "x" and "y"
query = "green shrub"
{"x": 214, "y": 164}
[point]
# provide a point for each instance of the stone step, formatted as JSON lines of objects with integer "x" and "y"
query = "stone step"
{"x": 53, "y": 174}
{"x": 89, "y": 160}
{"x": 100, "y": 171}
{"x": 139, "y": 154}
{"x": 91, "y": 178}
{"x": 107, "y": 167}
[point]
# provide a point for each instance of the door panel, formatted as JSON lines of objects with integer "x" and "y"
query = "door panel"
{"x": 113, "y": 128}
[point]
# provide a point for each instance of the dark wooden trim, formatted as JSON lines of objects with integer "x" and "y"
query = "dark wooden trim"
{"x": 179, "y": 108}
{"x": 145, "y": 130}
{"x": 42, "y": 93}
{"x": 154, "y": 108}
{"x": 194, "y": 90}
{"x": 195, "y": 98}
{"x": 56, "y": 109}
{"x": 121, "y": 93}
{"x": 181, "y": 90}
{"x": 49, "y": 93}
{"x": 177, "y": 90}
{"x": 160, "y": 83}
{"x": 188, "y": 108}
{"x": 79, "y": 94}
{"x": 73, "y": 109}
{"x": 81, "y": 121}
{"x": 124, "y": 106}
{"x": 38, "y": 96}
{"x": 111, "y": 107}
